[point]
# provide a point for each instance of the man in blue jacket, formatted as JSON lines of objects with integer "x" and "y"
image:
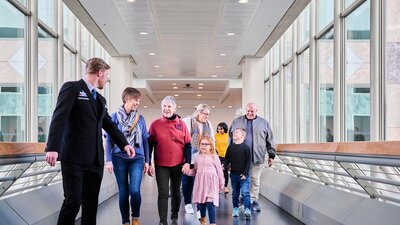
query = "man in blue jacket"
{"x": 75, "y": 139}
{"x": 259, "y": 138}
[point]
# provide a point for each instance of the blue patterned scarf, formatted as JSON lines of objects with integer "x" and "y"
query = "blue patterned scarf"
{"x": 133, "y": 137}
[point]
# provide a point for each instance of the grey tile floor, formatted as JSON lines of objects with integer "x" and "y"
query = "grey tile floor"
{"x": 108, "y": 212}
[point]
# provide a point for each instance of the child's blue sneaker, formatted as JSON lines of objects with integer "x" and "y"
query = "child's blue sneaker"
{"x": 235, "y": 212}
{"x": 247, "y": 214}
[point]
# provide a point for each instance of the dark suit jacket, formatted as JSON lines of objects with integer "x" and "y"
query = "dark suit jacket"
{"x": 76, "y": 127}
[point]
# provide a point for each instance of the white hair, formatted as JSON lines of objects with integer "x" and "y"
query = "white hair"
{"x": 168, "y": 99}
{"x": 199, "y": 109}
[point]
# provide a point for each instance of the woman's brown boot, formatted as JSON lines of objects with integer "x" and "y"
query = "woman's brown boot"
{"x": 203, "y": 221}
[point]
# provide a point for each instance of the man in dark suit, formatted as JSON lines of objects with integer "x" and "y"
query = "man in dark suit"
{"x": 75, "y": 139}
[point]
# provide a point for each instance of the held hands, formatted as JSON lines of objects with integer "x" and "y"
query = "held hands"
{"x": 150, "y": 171}
{"x": 109, "y": 167}
{"x": 130, "y": 151}
{"x": 186, "y": 168}
{"x": 146, "y": 168}
{"x": 242, "y": 177}
{"x": 51, "y": 158}
{"x": 221, "y": 187}
{"x": 270, "y": 162}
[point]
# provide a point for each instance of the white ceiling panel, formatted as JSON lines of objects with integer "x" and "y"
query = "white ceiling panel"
{"x": 186, "y": 39}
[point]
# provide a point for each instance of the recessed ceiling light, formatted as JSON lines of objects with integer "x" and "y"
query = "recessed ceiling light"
{"x": 243, "y": 1}
{"x": 174, "y": 87}
{"x": 130, "y": 0}
{"x": 176, "y": 95}
{"x": 152, "y": 53}
{"x": 229, "y": 106}
{"x": 179, "y": 106}
{"x": 160, "y": 75}
{"x": 174, "y": 84}
{"x": 145, "y": 106}
{"x": 213, "y": 106}
{"x": 218, "y": 67}
{"x": 143, "y": 33}
{"x": 198, "y": 95}
{"x": 230, "y": 33}
{"x": 156, "y": 66}
{"x": 214, "y": 76}
{"x": 200, "y": 88}
{"x": 201, "y": 84}
{"x": 222, "y": 54}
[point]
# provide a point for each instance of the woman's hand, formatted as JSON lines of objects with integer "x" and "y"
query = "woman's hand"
{"x": 186, "y": 168}
{"x": 150, "y": 171}
{"x": 110, "y": 167}
{"x": 145, "y": 168}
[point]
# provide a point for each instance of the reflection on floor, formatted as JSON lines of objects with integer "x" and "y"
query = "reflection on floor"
{"x": 108, "y": 213}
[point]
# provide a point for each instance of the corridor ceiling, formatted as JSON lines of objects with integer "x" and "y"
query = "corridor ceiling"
{"x": 188, "y": 41}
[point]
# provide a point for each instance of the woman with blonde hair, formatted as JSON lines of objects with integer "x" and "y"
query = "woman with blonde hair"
{"x": 198, "y": 126}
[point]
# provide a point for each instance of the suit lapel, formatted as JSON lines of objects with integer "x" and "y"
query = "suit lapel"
{"x": 102, "y": 103}
{"x": 92, "y": 101}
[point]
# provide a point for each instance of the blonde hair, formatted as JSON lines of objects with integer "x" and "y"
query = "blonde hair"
{"x": 130, "y": 93}
{"x": 211, "y": 142}
{"x": 199, "y": 109}
{"x": 94, "y": 65}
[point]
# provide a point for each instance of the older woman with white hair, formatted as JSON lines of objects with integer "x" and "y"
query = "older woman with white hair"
{"x": 172, "y": 156}
{"x": 198, "y": 126}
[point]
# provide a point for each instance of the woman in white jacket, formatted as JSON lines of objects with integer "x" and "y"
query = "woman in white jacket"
{"x": 198, "y": 126}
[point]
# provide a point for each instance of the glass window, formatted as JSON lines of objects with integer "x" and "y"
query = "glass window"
{"x": 46, "y": 79}
{"x": 267, "y": 100}
{"x": 325, "y": 76}
{"x": 392, "y": 70}
{"x": 47, "y": 12}
{"x": 288, "y": 44}
{"x": 288, "y": 101}
{"x": 357, "y": 71}
{"x": 69, "y": 26}
{"x": 97, "y": 49}
{"x": 69, "y": 65}
{"x": 276, "y": 56}
{"x": 325, "y": 13}
{"x": 107, "y": 57}
{"x": 304, "y": 27}
{"x": 83, "y": 67}
{"x": 276, "y": 108}
{"x": 12, "y": 73}
{"x": 267, "y": 65}
{"x": 23, "y": 2}
{"x": 304, "y": 73}
{"x": 349, "y": 2}
{"x": 85, "y": 43}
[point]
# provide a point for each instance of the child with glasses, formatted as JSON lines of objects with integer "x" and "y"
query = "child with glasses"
{"x": 209, "y": 180}
{"x": 239, "y": 159}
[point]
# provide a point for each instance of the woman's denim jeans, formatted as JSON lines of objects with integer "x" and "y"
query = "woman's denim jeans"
{"x": 128, "y": 173}
{"x": 187, "y": 188}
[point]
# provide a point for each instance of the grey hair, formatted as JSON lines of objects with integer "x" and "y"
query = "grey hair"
{"x": 169, "y": 99}
{"x": 199, "y": 109}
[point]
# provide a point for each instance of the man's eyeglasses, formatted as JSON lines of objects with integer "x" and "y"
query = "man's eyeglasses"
{"x": 206, "y": 114}
{"x": 205, "y": 144}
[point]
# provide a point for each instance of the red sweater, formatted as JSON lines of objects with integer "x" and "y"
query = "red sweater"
{"x": 169, "y": 138}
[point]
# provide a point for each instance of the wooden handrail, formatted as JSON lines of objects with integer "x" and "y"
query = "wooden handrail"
{"x": 360, "y": 147}
{"x": 18, "y": 148}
